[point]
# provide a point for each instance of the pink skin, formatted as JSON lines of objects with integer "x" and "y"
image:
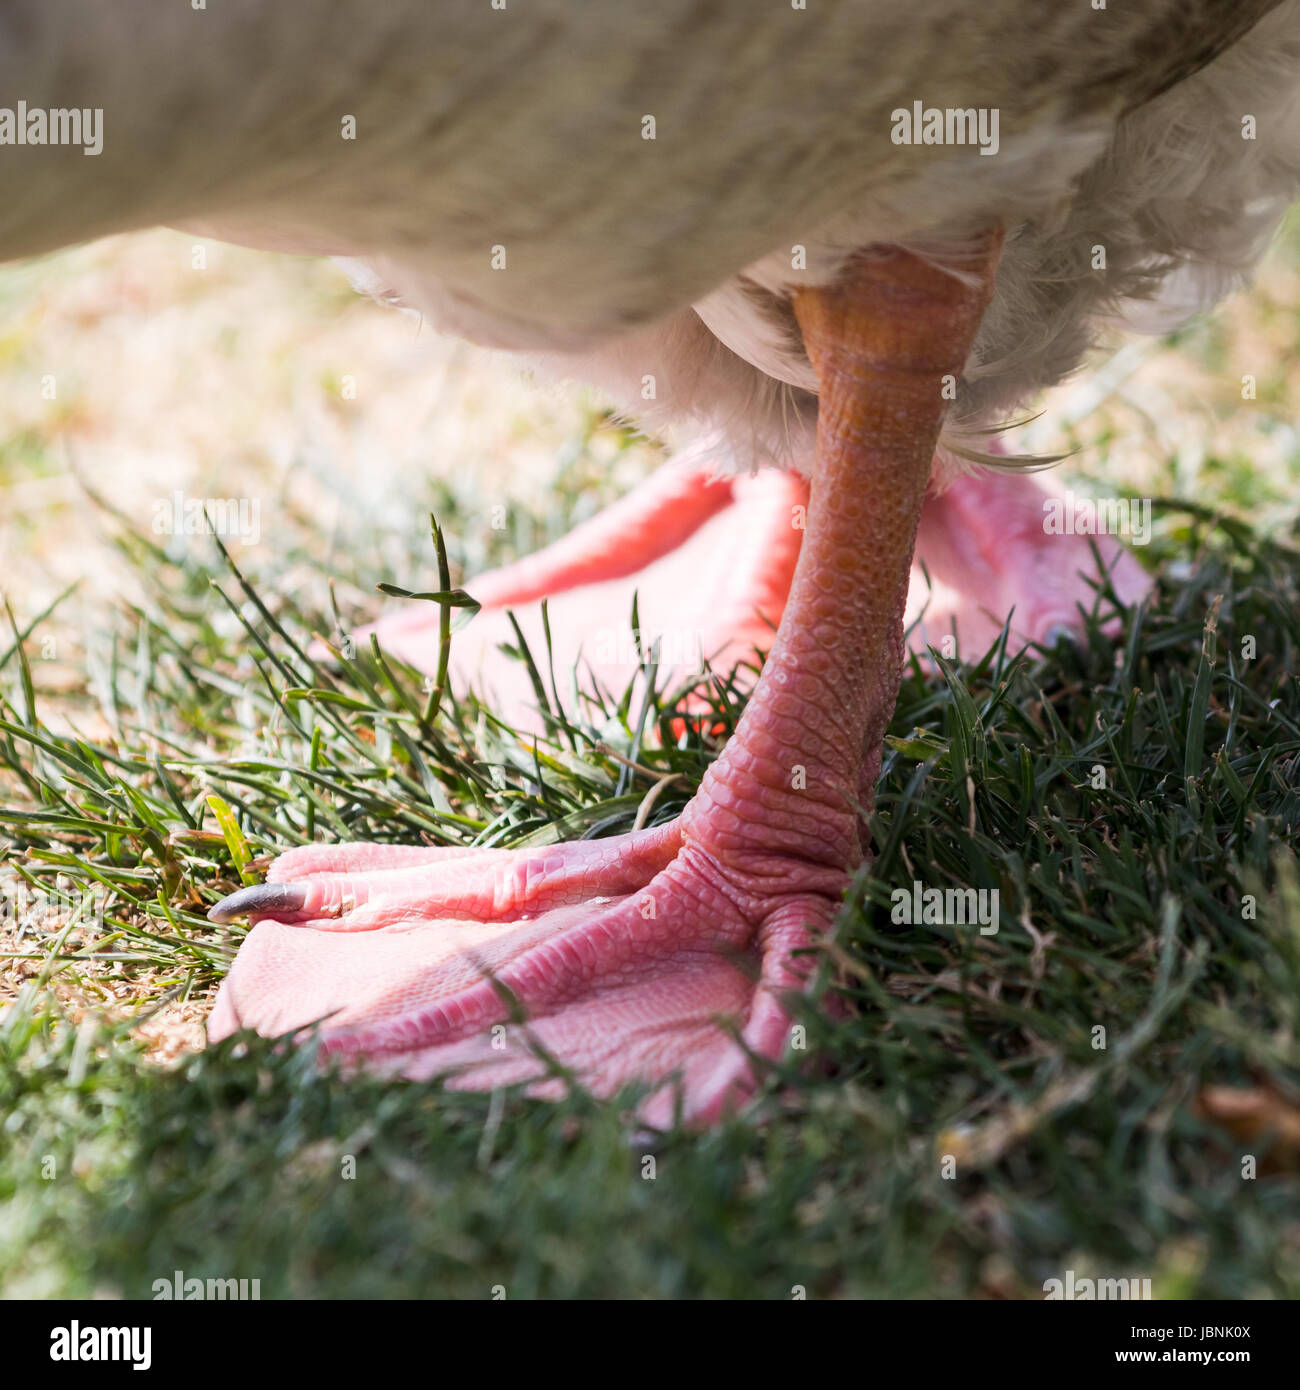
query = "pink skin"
{"x": 710, "y": 561}
{"x": 647, "y": 956}
{"x": 624, "y": 952}
{"x": 987, "y": 555}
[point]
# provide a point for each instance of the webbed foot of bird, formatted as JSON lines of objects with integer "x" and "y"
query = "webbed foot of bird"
{"x": 670, "y": 954}
{"x": 989, "y": 548}
{"x": 642, "y": 957}
{"x": 710, "y": 561}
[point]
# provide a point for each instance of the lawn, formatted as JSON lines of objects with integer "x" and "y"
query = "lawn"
{"x": 1110, "y": 1084}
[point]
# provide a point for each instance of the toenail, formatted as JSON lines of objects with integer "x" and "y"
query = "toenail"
{"x": 267, "y": 898}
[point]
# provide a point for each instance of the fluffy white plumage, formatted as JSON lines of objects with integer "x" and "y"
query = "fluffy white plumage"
{"x": 629, "y": 259}
{"x": 1178, "y": 198}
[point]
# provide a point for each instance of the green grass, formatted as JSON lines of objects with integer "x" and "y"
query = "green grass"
{"x": 217, "y": 742}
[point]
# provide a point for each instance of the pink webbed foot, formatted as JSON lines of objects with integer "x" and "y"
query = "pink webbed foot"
{"x": 629, "y": 958}
{"x": 990, "y": 555}
{"x": 671, "y": 952}
{"x": 709, "y": 561}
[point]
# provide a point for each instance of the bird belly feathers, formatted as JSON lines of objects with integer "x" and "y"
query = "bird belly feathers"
{"x": 629, "y": 194}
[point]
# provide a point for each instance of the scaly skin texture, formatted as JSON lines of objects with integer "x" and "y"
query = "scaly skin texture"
{"x": 643, "y": 957}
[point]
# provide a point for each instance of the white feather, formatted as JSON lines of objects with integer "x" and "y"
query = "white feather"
{"x": 517, "y": 134}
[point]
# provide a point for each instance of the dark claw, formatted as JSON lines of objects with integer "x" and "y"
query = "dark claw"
{"x": 274, "y": 899}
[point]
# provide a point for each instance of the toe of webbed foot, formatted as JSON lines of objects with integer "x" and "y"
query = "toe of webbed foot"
{"x": 602, "y": 963}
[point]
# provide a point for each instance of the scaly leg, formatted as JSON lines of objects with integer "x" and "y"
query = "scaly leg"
{"x": 643, "y": 956}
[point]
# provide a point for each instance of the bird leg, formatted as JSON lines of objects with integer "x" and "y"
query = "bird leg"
{"x": 665, "y": 955}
